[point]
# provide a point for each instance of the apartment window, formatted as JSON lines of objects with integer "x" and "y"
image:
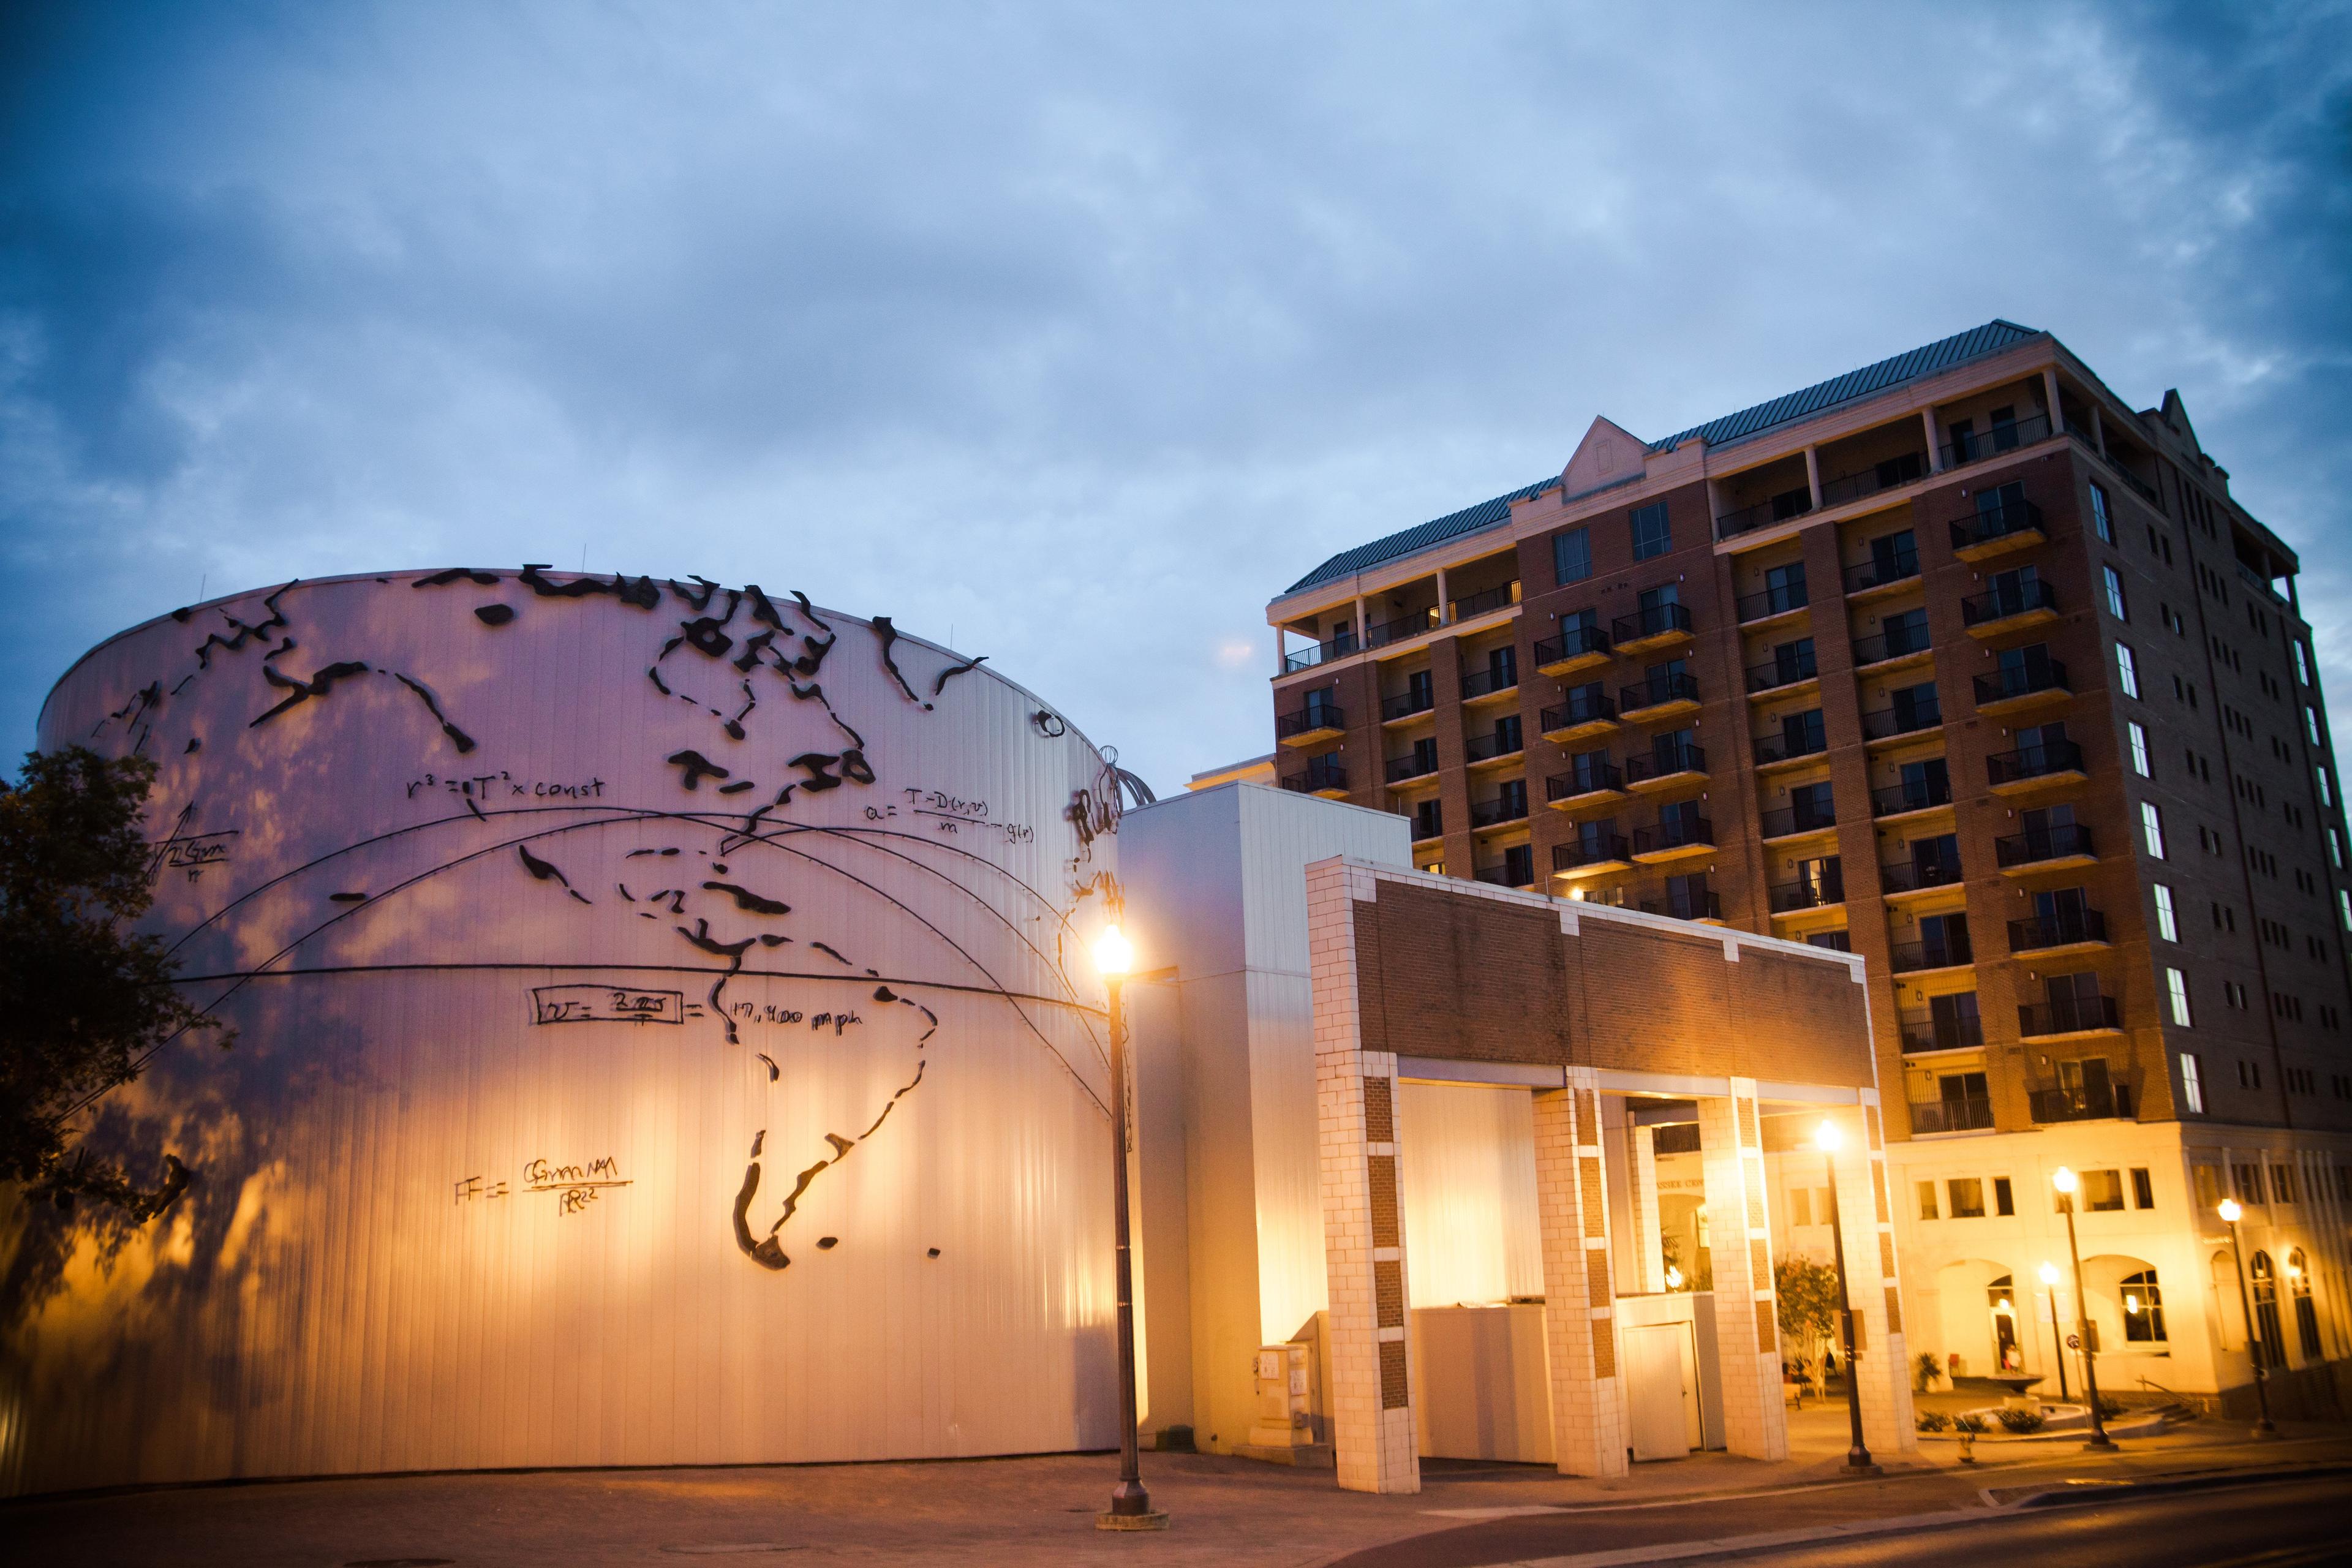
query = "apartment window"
{"x": 2344, "y": 905}
{"x": 2208, "y": 1181}
{"x": 2193, "y": 1086}
{"x": 1571, "y": 556}
{"x": 2102, "y": 519}
{"x": 1967, "y": 1195}
{"x": 2151, "y": 828}
{"x": 2168, "y": 926}
{"x": 2103, "y": 1191}
{"x": 2128, "y": 669}
{"x": 1835, "y": 940}
{"x": 2115, "y": 582}
{"x": 2249, "y": 1183}
{"x": 1652, "y": 536}
{"x": 2176, "y": 989}
{"x": 2143, "y": 1188}
{"x": 1927, "y": 1201}
{"x": 2143, "y": 1309}
{"x": 2282, "y": 1183}
{"x": 2301, "y": 663}
{"x": 2004, "y": 1200}
{"x": 2326, "y": 790}
{"x": 2336, "y": 859}
{"x": 2311, "y": 725}
{"x": 2139, "y": 748}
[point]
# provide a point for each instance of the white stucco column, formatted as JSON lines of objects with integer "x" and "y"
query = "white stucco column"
{"x": 1739, "y": 1246}
{"x": 1813, "y": 474}
{"x": 1588, "y": 1419}
{"x": 2050, "y": 386}
{"x": 1882, "y": 1370}
{"x": 1444, "y": 603}
{"x": 1934, "y": 447}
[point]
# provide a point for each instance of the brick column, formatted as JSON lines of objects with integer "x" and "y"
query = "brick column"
{"x": 1746, "y": 1336}
{"x": 1363, "y": 1222}
{"x": 1882, "y": 1370}
{"x": 1647, "y": 1274}
{"x": 1587, "y": 1422}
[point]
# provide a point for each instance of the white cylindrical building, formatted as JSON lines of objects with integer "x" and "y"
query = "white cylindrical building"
{"x": 664, "y": 1036}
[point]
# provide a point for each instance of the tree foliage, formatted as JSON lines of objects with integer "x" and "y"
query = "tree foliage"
{"x": 1808, "y": 1300}
{"x": 82, "y": 998}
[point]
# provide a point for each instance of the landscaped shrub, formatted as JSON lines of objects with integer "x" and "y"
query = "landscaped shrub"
{"x": 2020, "y": 1421}
{"x": 1967, "y": 1423}
{"x": 2109, "y": 1409}
{"x": 1934, "y": 1421}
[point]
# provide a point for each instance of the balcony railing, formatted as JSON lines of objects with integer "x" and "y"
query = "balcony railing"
{"x": 2034, "y": 761}
{"x": 1585, "y": 705}
{"x": 1397, "y": 628}
{"x": 1878, "y": 649}
{"x": 1428, "y": 823}
{"x": 1977, "y": 446}
{"x": 2007, "y": 603}
{"x": 1487, "y": 748}
{"x": 1593, "y": 778}
{"x": 1312, "y": 655}
{"x": 1796, "y": 819}
{"x": 1996, "y": 523}
{"x": 1771, "y": 601}
{"x": 1478, "y": 604}
{"x": 1972, "y": 1113}
{"x": 1658, "y": 620}
{"x": 1764, "y": 513}
{"x": 1486, "y": 682}
{"x": 1820, "y": 892}
{"x": 2067, "y": 1016}
{"x": 1657, "y": 691}
{"x": 1918, "y": 794}
{"x": 1888, "y": 722}
{"x": 1685, "y": 758}
{"x": 1787, "y": 748}
{"x": 1494, "y": 813}
{"x": 1783, "y": 671}
{"x": 1507, "y": 874}
{"x": 1680, "y": 833}
{"x": 1574, "y": 642}
{"x": 1889, "y": 475}
{"x": 2082, "y": 1104}
{"x": 1900, "y": 566}
{"x": 2039, "y": 931}
{"x": 1908, "y": 957}
{"x": 2022, "y": 680}
{"x": 1926, "y": 1032}
{"x": 1405, "y": 704}
{"x": 1704, "y": 905}
{"x": 1918, "y": 876}
{"x": 1307, "y": 720}
{"x": 1601, "y": 849}
{"x": 1321, "y": 773}
{"x": 2058, "y": 843}
{"x": 1411, "y": 767}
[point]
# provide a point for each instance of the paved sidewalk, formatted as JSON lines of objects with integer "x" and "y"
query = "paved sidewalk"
{"x": 1040, "y": 1510}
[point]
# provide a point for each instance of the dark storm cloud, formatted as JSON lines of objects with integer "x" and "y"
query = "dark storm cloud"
{"x": 1078, "y": 332}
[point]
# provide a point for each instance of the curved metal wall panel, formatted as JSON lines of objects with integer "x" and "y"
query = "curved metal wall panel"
{"x": 664, "y": 1036}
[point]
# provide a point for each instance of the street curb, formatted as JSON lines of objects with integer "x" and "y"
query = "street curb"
{"x": 2076, "y": 1492}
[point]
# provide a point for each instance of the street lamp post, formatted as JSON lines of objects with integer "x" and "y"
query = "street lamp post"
{"x": 2057, "y": 1335}
{"x": 2065, "y": 1181}
{"x": 2263, "y": 1427}
{"x": 1857, "y": 1455}
{"x": 1130, "y": 1505}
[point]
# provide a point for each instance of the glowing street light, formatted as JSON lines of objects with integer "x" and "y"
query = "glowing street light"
{"x": 2064, "y": 1179}
{"x": 1130, "y": 1505}
{"x": 2057, "y": 1335}
{"x": 2229, "y": 1211}
{"x": 1857, "y": 1455}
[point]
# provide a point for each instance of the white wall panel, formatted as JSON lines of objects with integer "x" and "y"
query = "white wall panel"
{"x": 1466, "y": 1162}
{"x": 331, "y": 1296}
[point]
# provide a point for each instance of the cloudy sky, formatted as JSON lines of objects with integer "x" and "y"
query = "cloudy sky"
{"x": 1073, "y": 334}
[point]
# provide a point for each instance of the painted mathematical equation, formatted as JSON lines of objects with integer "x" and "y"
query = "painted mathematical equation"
{"x": 503, "y": 786}
{"x": 194, "y": 854}
{"x": 608, "y": 1005}
{"x": 574, "y": 1187}
{"x": 953, "y": 815}
{"x": 768, "y": 1012}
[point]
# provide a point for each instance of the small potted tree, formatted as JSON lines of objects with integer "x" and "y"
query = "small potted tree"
{"x": 1965, "y": 1428}
{"x": 1927, "y": 1368}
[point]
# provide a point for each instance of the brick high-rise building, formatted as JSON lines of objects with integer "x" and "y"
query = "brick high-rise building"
{"x": 1961, "y": 662}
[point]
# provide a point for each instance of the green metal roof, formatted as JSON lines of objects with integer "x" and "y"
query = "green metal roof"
{"x": 1958, "y": 349}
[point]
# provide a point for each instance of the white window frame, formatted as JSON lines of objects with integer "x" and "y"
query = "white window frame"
{"x": 2139, "y": 748}
{"x": 2334, "y": 848}
{"x": 2176, "y": 990}
{"x": 2128, "y": 669}
{"x": 2151, "y": 828}
{"x": 2326, "y": 790}
{"x": 2302, "y": 664}
{"x": 2114, "y": 583}
{"x": 2103, "y": 516}
{"x": 2167, "y": 924}
{"x": 2311, "y": 724}
{"x": 2192, "y": 1084}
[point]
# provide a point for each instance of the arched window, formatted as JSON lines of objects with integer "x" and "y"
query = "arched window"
{"x": 2306, "y": 1312}
{"x": 2273, "y": 1349}
{"x": 2143, "y": 1309}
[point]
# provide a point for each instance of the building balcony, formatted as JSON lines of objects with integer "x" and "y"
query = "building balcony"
{"x": 1900, "y": 880}
{"x": 2070, "y": 1016}
{"x": 1969, "y": 1113}
{"x": 1405, "y": 769}
{"x": 1316, "y": 721}
{"x": 1892, "y": 474}
{"x": 1322, "y": 775}
{"x": 1495, "y": 748}
{"x": 2000, "y": 611}
{"x": 2071, "y": 933}
{"x": 1659, "y": 697}
{"x": 1705, "y": 907}
{"x": 1586, "y": 713}
{"x": 1318, "y": 653}
{"x": 1660, "y": 626}
{"x": 1506, "y": 876}
{"x": 1486, "y": 685}
{"x": 1778, "y": 750}
{"x": 1500, "y": 813}
{"x": 1471, "y": 606}
{"x": 1982, "y": 535}
{"x": 2111, "y": 1102}
{"x": 1781, "y": 675}
{"x": 1874, "y": 577}
{"x": 1795, "y": 822}
{"x": 1576, "y": 648}
{"x": 2032, "y": 767}
{"x": 2049, "y": 849}
{"x": 1594, "y": 784}
{"x": 1674, "y": 840}
{"x": 1398, "y": 629}
{"x": 1429, "y": 826}
{"x": 1825, "y": 892}
{"x": 1771, "y": 605}
{"x": 1673, "y": 765}
{"x": 1888, "y": 650}
{"x": 1906, "y": 799}
{"x": 1591, "y": 857}
{"x": 1925, "y": 1032}
{"x": 1407, "y": 705}
{"x": 1998, "y": 441}
{"x": 1919, "y": 957}
{"x": 1893, "y": 723}
{"x": 1764, "y": 514}
{"x": 2015, "y": 690}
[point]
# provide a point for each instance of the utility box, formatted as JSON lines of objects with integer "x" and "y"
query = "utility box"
{"x": 1282, "y": 1427}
